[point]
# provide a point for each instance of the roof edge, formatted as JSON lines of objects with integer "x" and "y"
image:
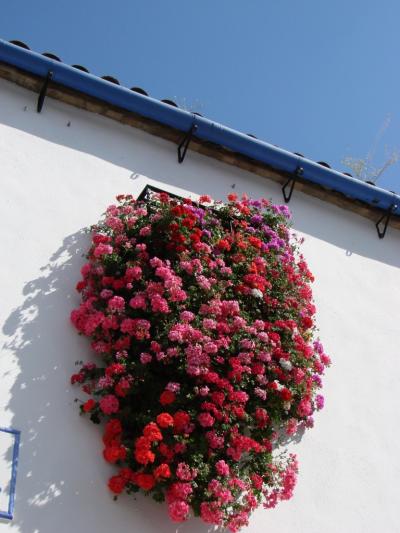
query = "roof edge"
{"x": 206, "y": 130}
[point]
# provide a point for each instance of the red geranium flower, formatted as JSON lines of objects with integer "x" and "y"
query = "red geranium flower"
{"x": 181, "y": 420}
{"x": 152, "y": 432}
{"x": 165, "y": 420}
{"x": 89, "y": 405}
{"x": 145, "y": 481}
{"x": 162, "y": 471}
{"x": 167, "y": 397}
{"x": 116, "y": 484}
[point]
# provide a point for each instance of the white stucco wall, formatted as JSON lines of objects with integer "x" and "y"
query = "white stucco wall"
{"x": 59, "y": 170}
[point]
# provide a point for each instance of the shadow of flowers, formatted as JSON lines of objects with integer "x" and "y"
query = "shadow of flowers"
{"x": 61, "y": 482}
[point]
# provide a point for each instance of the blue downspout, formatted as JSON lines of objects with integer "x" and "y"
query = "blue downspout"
{"x": 207, "y": 130}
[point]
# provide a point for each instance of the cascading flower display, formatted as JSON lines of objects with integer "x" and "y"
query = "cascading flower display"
{"x": 201, "y": 316}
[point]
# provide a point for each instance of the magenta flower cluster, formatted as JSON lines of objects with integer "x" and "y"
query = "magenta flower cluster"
{"x": 202, "y": 320}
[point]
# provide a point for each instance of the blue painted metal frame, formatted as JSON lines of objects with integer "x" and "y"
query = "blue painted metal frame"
{"x": 207, "y": 130}
{"x": 11, "y": 501}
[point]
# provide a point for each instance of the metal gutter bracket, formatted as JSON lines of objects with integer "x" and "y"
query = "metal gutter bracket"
{"x": 385, "y": 219}
{"x": 291, "y": 181}
{"x": 146, "y": 193}
{"x": 43, "y": 91}
{"x": 184, "y": 144}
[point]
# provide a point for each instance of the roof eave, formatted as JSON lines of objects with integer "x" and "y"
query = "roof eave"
{"x": 206, "y": 130}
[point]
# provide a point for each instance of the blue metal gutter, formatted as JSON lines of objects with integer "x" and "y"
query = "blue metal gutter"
{"x": 207, "y": 130}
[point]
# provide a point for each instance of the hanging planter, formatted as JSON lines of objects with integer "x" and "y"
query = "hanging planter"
{"x": 202, "y": 319}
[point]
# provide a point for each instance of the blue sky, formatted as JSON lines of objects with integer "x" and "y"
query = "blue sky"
{"x": 313, "y": 76}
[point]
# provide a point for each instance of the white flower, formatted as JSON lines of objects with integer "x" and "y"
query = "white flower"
{"x": 257, "y": 293}
{"x": 286, "y": 406}
{"x": 285, "y": 364}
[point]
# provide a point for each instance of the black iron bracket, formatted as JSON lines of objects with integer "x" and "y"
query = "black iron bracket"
{"x": 384, "y": 220}
{"x": 43, "y": 91}
{"x": 146, "y": 193}
{"x": 291, "y": 182}
{"x": 184, "y": 144}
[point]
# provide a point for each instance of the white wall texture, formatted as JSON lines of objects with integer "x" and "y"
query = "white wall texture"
{"x": 58, "y": 172}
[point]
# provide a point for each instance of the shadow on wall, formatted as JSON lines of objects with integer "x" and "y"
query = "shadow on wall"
{"x": 129, "y": 148}
{"x": 61, "y": 483}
